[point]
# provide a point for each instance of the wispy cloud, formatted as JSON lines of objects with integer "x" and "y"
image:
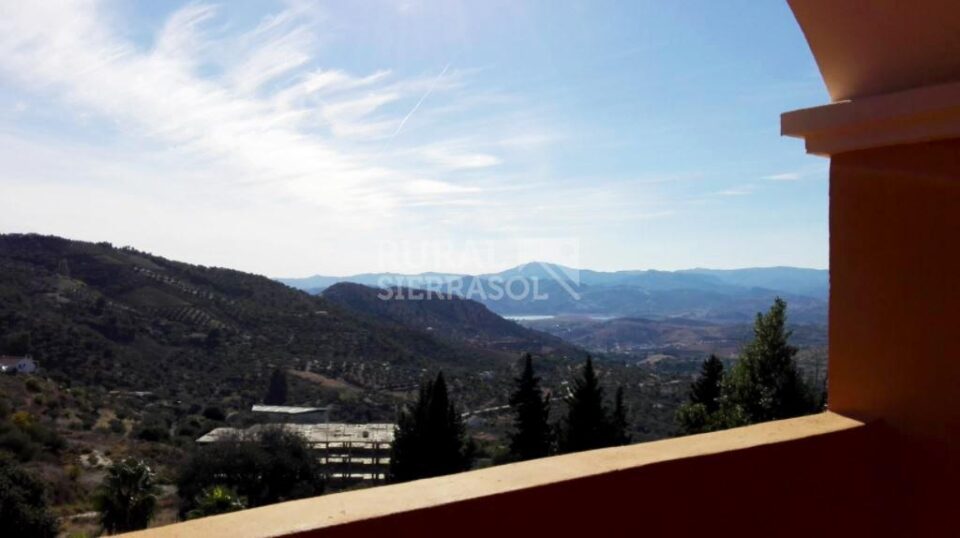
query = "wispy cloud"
{"x": 739, "y": 191}
{"x": 818, "y": 169}
{"x": 784, "y": 176}
{"x": 216, "y": 143}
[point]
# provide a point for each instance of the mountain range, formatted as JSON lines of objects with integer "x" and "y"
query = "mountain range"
{"x": 545, "y": 289}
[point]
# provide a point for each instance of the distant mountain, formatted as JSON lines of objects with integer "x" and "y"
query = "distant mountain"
{"x": 448, "y": 317}
{"x": 795, "y": 280}
{"x": 729, "y": 296}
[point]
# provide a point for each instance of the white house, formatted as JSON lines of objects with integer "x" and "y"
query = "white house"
{"x": 20, "y": 365}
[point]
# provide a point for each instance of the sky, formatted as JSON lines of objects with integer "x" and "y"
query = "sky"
{"x": 298, "y": 138}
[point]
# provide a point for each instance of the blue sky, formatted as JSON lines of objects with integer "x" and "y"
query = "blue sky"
{"x": 296, "y": 138}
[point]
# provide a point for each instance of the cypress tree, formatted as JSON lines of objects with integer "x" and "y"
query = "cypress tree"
{"x": 587, "y": 425}
{"x": 699, "y": 414}
{"x": 618, "y": 421}
{"x": 277, "y": 390}
{"x": 531, "y": 437}
{"x": 706, "y": 389}
{"x": 430, "y": 437}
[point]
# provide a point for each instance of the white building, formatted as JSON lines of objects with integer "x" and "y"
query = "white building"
{"x": 17, "y": 365}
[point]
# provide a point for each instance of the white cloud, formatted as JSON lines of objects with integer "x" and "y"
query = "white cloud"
{"x": 244, "y": 150}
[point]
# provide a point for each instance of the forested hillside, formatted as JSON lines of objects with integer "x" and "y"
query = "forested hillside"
{"x": 120, "y": 318}
{"x": 447, "y": 316}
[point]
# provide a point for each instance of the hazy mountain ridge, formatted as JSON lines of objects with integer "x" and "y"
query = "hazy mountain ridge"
{"x": 729, "y": 296}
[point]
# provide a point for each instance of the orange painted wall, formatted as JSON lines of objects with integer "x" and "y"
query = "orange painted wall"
{"x": 895, "y": 314}
{"x": 800, "y": 488}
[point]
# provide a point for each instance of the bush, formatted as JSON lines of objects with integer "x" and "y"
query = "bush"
{"x": 18, "y": 444}
{"x": 33, "y": 385}
{"x": 276, "y": 465}
{"x": 216, "y": 500}
{"x": 214, "y": 413}
{"x": 153, "y": 432}
{"x": 117, "y": 426}
{"x": 23, "y": 504}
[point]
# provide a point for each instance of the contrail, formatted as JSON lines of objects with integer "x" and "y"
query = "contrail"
{"x": 420, "y": 102}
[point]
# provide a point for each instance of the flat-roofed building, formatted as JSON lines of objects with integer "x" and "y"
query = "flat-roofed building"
{"x": 349, "y": 453}
{"x": 286, "y": 414}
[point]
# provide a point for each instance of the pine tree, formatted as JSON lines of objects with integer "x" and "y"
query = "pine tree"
{"x": 277, "y": 390}
{"x": 706, "y": 389}
{"x": 618, "y": 421}
{"x": 765, "y": 384}
{"x": 587, "y": 425}
{"x": 531, "y": 437}
{"x": 698, "y": 415}
{"x": 430, "y": 437}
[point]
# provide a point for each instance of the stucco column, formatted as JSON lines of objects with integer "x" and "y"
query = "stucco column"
{"x": 893, "y": 138}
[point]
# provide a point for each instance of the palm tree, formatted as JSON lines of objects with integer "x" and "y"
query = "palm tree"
{"x": 127, "y": 497}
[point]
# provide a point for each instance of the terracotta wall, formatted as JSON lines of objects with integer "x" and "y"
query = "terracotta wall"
{"x": 895, "y": 315}
{"x": 798, "y": 488}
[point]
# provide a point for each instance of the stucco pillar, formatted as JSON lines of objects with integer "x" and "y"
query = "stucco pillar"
{"x": 893, "y": 138}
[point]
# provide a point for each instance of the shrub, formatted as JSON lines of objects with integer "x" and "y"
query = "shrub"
{"x": 117, "y": 426}
{"x": 23, "y": 504}
{"x": 216, "y": 500}
{"x": 18, "y": 443}
{"x": 214, "y": 413}
{"x": 33, "y": 385}
{"x": 153, "y": 431}
{"x": 276, "y": 465}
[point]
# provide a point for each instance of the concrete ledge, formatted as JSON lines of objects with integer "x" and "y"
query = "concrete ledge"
{"x": 496, "y": 491}
{"x": 908, "y": 117}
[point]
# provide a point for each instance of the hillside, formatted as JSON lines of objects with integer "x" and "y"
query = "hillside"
{"x": 120, "y": 318}
{"x": 448, "y": 317}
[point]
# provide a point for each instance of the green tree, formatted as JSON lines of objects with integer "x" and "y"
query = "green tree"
{"x": 618, "y": 421}
{"x": 23, "y": 504}
{"x": 272, "y": 466}
{"x": 700, "y": 413}
{"x": 706, "y": 389}
{"x": 277, "y": 390}
{"x": 531, "y": 437}
{"x": 765, "y": 384}
{"x": 216, "y": 500}
{"x": 587, "y": 424}
{"x": 127, "y": 497}
{"x": 430, "y": 438}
